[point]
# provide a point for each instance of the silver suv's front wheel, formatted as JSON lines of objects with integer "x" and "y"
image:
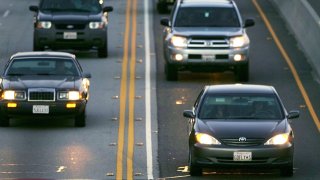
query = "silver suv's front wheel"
{"x": 171, "y": 72}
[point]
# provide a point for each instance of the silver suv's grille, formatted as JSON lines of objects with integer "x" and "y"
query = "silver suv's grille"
{"x": 41, "y": 94}
{"x": 214, "y": 44}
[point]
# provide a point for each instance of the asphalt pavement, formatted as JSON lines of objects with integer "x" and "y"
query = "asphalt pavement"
{"x": 315, "y": 5}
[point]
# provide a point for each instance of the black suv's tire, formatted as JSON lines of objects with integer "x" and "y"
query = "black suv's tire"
{"x": 103, "y": 51}
{"x": 36, "y": 47}
{"x": 4, "y": 120}
{"x": 242, "y": 72}
{"x": 287, "y": 171}
{"x": 162, "y": 7}
{"x": 194, "y": 170}
{"x": 171, "y": 72}
{"x": 80, "y": 120}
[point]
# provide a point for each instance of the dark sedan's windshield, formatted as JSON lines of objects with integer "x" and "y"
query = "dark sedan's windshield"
{"x": 42, "y": 66}
{"x": 240, "y": 106}
{"x": 92, "y": 6}
{"x": 206, "y": 17}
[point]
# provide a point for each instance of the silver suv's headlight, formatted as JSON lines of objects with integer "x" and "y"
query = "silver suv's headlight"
{"x": 96, "y": 25}
{"x": 239, "y": 41}
{"x": 44, "y": 25}
{"x": 69, "y": 95}
{"x": 14, "y": 95}
{"x": 179, "y": 41}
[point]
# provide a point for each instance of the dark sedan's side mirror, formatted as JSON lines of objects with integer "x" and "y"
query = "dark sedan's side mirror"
{"x": 34, "y": 8}
{"x": 293, "y": 114}
{"x": 249, "y": 23}
{"x": 188, "y": 114}
{"x": 87, "y": 75}
{"x": 107, "y": 9}
{"x": 165, "y": 22}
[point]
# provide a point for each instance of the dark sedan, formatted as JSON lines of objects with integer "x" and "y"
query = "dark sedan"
{"x": 43, "y": 85}
{"x": 240, "y": 126}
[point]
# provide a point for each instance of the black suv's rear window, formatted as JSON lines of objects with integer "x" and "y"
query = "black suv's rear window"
{"x": 207, "y": 17}
{"x": 91, "y": 6}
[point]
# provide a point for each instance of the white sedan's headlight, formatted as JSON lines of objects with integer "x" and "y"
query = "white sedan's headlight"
{"x": 96, "y": 25}
{"x": 14, "y": 95}
{"x": 70, "y": 95}
{"x": 278, "y": 139}
{"x": 239, "y": 41}
{"x": 44, "y": 25}
{"x": 179, "y": 41}
{"x": 206, "y": 139}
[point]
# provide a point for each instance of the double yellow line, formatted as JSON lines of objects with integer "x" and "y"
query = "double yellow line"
{"x": 131, "y": 24}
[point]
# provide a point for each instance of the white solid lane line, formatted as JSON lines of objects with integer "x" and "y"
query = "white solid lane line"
{"x": 148, "y": 91}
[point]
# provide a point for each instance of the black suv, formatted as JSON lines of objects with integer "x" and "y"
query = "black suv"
{"x": 71, "y": 24}
{"x": 206, "y": 36}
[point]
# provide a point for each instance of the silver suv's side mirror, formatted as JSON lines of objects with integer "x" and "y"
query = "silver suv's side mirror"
{"x": 165, "y": 22}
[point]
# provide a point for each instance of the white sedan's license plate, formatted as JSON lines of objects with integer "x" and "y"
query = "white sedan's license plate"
{"x": 40, "y": 109}
{"x": 70, "y": 35}
{"x": 242, "y": 156}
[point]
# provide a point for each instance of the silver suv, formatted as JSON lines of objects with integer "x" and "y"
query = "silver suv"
{"x": 206, "y": 36}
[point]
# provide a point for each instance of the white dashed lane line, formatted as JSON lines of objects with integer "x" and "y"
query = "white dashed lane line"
{"x": 6, "y": 13}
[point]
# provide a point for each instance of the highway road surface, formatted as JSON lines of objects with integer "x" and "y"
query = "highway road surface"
{"x": 135, "y": 128}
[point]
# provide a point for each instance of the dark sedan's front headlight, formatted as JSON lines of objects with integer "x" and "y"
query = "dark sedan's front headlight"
{"x": 69, "y": 95}
{"x": 279, "y": 139}
{"x": 14, "y": 95}
{"x": 206, "y": 139}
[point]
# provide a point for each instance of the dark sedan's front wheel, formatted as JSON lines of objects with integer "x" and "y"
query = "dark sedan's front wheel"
{"x": 4, "y": 120}
{"x": 287, "y": 171}
{"x": 80, "y": 120}
{"x": 193, "y": 169}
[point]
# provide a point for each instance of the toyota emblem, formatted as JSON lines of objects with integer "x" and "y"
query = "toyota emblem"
{"x": 242, "y": 139}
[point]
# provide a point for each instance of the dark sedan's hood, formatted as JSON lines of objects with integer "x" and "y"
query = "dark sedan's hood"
{"x": 208, "y": 31}
{"x": 69, "y": 17}
{"x": 25, "y": 82}
{"x": 241, "y": 128}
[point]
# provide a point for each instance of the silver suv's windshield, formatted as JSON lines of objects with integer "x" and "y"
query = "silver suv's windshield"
{"x": 91, "y": 6}
{"x": 207, "y": 17}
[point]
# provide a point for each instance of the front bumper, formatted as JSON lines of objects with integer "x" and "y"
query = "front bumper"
{"x": 85, "y": 38}
{"x": 262, "y": 156}
{"x": 206, "y": 59}
{"x": 24, "y": 109}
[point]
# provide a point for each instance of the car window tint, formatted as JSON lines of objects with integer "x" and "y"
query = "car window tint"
{"x": 207, "y": 17}
{"x": 240, "y": 107}
{"x": 40, "y": 66}
{"x": 71, "y": 5}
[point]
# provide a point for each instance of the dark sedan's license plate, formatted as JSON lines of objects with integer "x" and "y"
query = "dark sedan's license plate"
{"x": 242, "y": 156}
{"x": 40, "y": 109}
